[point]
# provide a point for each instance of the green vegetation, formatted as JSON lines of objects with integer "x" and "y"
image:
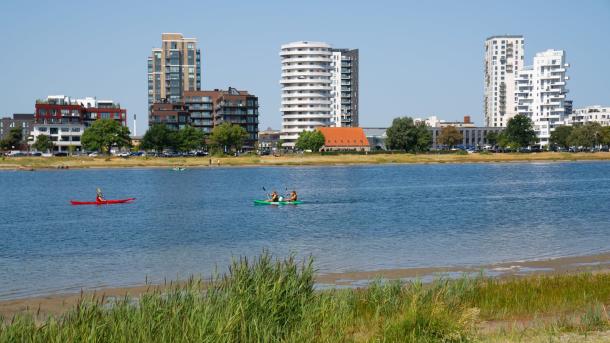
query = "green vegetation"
{"x": 14, "y": 139}
{"x": 190, "y": 139}
{"x": 519, "y": 133}
{"x": 104, "y": 134}
{"x": 159, "y": 137}
{"x": 43, "y": 143}
{"x": 268, "y": 300}
{"x": 560, "y": 136}
{"x": 407, "y": 135}
{"x": 449, "y": 136}
{"x": 310, "y": 140}
{"x": 227, "y": 137}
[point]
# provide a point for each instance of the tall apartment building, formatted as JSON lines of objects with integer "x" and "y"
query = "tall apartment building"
{"x": 173, "y": 69}
{"x": 319, "y": 88}
{"x": 504, "y": 57}
{"x": 344, "y": 87}
{"x": 541, "y": 92}
{"x": 306, "y": 87}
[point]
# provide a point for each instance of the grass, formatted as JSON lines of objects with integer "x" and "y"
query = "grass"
{"x": 270, "y": 300}
{"x": 290, "y": 160}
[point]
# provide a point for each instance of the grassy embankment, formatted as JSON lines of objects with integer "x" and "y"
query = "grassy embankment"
{"x": 288, "y": 160}
{"x": 275, "y": 301}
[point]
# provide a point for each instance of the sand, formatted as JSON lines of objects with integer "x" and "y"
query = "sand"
{"x": 54, "y": 304}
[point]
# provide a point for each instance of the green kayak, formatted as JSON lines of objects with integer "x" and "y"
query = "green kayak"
{"x": 264, "y": 202}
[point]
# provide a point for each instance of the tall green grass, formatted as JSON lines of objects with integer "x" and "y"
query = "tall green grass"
{"x": 270, "y": 300}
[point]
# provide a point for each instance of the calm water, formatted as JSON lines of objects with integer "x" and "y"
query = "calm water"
{"x": 355, "y": 218}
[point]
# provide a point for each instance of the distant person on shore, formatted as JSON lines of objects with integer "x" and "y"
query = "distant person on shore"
{"x": 99, "y": 197}
{"x": 274, "y": 197}
{"x": 293, "y": 196}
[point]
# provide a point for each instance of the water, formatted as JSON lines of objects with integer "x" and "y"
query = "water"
{"x": 355, "y": 219}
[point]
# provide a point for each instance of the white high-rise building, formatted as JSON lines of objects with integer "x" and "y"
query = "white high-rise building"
{"x": 344, "y": 92}
{"x": 503, "y": 60}
{"x": 541, "y": 92}
{"x": 306, "y": 87}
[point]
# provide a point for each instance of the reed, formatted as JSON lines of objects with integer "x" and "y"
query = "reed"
{"x": 272, "y": 300}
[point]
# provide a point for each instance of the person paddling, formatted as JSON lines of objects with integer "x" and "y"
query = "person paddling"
{"x": 293, "y": 196}
{"x": 99, "y": 197}
{"x": 273, "y": 197}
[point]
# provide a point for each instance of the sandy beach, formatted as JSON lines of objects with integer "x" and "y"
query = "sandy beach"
{"x": 53, "y": 304}
{"x": 34, "y": 163}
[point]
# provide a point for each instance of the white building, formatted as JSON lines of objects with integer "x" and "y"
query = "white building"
{"x": 589, "y": 114}
{"x": 65, "y": 119}
{"x": 305, "y": 88}
{"x": 541, "y": 92}
{"x": 344, "y": 87}
{"x": 503, "y": 60}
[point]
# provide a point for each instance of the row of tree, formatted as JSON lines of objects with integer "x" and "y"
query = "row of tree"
{"x": 589, "y": 135}
{"x": 224, "y": 137}
{"x": 408, "y": 135}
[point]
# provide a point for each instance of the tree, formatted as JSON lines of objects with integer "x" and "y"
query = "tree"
{"x": 560, "y": 136}
{"x": 449, "y": 136}
{"x": 43, "y": 143}
{"x": 13, "y": 139}
{"x": 103, "y": 134}
{"x": 492, "y": 138}
{"x": 605, "y": 135}
{"x": 227, "y": 136}
{"x": 405, "y": 134}
{"x": 189, "y": 139}
{"x": 588, "y": 135}
{"x": 519, "y": 132}
{"x": 157, "y": 138}
{"x": 310, "y": 140}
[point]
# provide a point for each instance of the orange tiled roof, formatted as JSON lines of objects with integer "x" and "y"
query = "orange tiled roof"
{"x": 344, "y": 137}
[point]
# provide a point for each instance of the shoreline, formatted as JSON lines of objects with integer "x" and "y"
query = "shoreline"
{"x": 43, "y": 306}
{"x": 67, "y": 163}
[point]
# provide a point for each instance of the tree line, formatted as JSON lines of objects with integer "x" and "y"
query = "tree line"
{"x": 225, "y": 137}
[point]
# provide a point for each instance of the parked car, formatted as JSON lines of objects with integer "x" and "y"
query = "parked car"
{"x": 60, "y": 154}
{"x": 16, "y": 153}
{"x": 123, "y": 154}
{"x": 94, "y": 154}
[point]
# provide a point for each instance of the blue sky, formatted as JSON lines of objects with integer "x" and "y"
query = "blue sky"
{"x": 417, "y": 58}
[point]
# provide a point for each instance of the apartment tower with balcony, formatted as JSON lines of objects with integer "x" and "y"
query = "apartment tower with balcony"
{"x": 541, "y": 92}
{"x": 504, "y": 57}
{"x": 344, "y": 87}
{"x": 173, "y": 69}
{"x": 306, "y": 87}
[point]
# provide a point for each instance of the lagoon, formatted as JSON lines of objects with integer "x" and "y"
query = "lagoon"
{"x": 355, "y": 218}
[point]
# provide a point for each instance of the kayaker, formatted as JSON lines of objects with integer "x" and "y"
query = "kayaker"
{"x": 274, "y": 197}
{"x": 293, "y": 196}
{"x": 99, "y": 197}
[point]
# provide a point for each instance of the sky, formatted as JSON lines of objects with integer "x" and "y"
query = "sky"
{"x": 417, "y": 58}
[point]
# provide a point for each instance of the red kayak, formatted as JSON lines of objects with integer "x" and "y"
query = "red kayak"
{"x": 105, "y": 202}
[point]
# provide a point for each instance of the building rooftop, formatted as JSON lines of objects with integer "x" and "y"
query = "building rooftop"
{"x": 504, "y": 36}
{"x": 344, "y": 137}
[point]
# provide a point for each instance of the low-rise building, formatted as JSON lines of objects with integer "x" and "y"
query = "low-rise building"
{"x": 214, "y": 107}
{"x": 472, "y": 137}
{"x": 344, "y": 139}
{"x": 590, "y": 114}
{"x": 268, "y": 140}
{"x": 376, "y": 137}
{"x": 64, "y": 119}
{"x": 23, "y": 120}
